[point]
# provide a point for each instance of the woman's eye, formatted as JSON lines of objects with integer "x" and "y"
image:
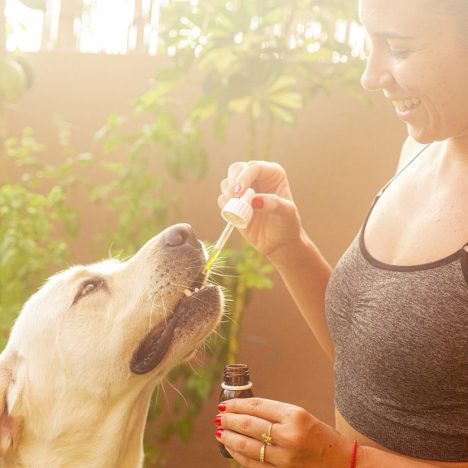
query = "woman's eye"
{"x": 399, "y": 53}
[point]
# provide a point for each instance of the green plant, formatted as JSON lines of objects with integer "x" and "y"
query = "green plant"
{"x": 32, "y": 213}
{"x": 262, "y": 59}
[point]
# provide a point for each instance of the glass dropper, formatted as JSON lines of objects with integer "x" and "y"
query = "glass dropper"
{"x": 238, "y": 213}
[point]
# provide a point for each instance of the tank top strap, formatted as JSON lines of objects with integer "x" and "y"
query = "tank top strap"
{"x": 382, "y": 190}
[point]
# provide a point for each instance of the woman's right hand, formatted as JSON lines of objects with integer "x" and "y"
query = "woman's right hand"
{"x": 277, "y": 224}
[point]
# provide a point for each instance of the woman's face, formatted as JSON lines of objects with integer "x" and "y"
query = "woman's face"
{"x": 419, "y": 59}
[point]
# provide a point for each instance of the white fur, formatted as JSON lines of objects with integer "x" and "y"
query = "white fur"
{"x": 67, "y": 395}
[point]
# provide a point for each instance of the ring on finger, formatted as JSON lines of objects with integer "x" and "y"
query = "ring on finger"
{"x": 262, "y": 454}
{"x": 267, "y": 439}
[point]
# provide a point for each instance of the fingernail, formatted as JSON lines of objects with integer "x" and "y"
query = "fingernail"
{"x": 257, "y": 203}
{"x": 237, "y": 188}
{"x": 221, "y": 407}
{"x": 217, "y": 420}
{"x": 218, "y": 433}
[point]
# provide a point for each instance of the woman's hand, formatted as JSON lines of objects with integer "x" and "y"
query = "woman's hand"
{"x": 290, "y": 436}
{"x": 276, "y": 222}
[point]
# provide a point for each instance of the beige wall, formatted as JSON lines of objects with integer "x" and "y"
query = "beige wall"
{"x": 337, "y": 157}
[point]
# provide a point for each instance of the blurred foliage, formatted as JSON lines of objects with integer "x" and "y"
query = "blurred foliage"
{"x": 36, "y": 219}
{"x": 258, "y": 62}
{"x": 263, "y": 59}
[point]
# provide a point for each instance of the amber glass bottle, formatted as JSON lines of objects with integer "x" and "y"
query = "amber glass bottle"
{"x": 236, "y": 384}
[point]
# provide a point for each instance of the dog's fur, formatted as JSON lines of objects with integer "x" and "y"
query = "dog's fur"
{"x": 90, "y": 346}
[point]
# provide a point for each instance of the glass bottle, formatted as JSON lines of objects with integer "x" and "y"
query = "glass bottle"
{"x": 236, "y": 384}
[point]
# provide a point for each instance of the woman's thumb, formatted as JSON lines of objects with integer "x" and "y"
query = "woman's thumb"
{"x": 271, "y": 203}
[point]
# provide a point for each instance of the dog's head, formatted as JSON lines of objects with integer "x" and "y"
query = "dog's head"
{"x": 94, "y": 331}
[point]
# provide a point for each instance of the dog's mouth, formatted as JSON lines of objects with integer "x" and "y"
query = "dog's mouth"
{"x": 194, "y": 317}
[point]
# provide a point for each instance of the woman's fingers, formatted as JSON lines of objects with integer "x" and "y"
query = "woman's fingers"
{"x": 270, "y": 410}
{"x": 271, "y": 203}
{"x": 266, "y": 202}
{"x": 260, "y": 175}
{"x": 249, "y": 462}
{"x": 247, "y": 450}
{"x": 250, "y": 426}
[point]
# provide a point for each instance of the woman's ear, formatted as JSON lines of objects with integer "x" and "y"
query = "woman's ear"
{"x": 10, "y": 426}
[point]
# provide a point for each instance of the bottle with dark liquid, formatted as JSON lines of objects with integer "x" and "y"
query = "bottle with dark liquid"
{"x": 236, "y": 384}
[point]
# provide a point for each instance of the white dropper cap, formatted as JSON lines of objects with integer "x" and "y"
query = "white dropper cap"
{"x": 238, "y": 211}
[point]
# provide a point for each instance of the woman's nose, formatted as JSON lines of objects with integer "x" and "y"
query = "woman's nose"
{"x": 377, "y": 74}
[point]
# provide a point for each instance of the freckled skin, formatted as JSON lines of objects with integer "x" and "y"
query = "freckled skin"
{"x": 437, "y": 52}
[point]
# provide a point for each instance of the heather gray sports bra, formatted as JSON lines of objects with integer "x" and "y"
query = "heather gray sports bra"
{"x": 401, "y": 342}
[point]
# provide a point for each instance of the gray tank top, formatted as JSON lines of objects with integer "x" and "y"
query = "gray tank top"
{"x": 401, "y": 342}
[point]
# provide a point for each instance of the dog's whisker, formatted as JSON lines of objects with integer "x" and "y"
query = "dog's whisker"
{"x": 194, "y": 369}
{"x": 179, "y": 392}
{"x": 218, "y": 335}
{"x": 152, "y": 308}
{"x": 163, "y": 388}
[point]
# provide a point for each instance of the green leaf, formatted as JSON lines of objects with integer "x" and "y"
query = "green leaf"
{"x": 281, "y": 114}
{"x": 286, "y": 99}
{"x": 240, "y": 105}
{"x": 205, "y": 107}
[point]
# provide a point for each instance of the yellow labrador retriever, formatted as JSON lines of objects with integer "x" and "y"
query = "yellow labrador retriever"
{"x": 90, "y": 346}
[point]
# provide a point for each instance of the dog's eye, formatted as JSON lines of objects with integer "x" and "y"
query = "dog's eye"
{"x": 88, "y": 287}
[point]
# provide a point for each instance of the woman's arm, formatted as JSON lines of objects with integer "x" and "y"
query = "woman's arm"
{"x": 306, "y": 273}
{"x": 276, "y": 231}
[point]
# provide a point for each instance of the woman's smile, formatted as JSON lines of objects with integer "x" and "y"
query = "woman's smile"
{"x": 404, "y": 105}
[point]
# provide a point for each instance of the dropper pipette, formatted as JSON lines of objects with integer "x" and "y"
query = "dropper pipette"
{"x": 238, "y": 213}
{"x": 218, "y": 247}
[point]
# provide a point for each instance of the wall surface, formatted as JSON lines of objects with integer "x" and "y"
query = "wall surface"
{"x": 337, "y": 157}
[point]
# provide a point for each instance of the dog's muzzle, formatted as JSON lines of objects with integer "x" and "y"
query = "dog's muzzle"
{"x": 193, "y": 314}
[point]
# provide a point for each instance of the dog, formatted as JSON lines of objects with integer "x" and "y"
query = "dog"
{"x": 90, "y": 346}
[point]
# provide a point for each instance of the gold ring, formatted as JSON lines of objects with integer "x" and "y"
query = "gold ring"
{"x": 262, "y": 454}
{"x": 267, "y": 439}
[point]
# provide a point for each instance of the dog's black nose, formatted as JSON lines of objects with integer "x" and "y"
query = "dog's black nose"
{"x": 179, "y": 234}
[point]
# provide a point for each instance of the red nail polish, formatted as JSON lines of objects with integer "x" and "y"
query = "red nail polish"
{"x": 218, "y": 432}
{"x": 221, "y": 407}
{"x": 257, "y": 203}
{"x": 217, "y": 420}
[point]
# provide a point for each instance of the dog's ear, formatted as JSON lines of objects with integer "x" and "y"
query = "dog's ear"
{"x": 10, "y": 426}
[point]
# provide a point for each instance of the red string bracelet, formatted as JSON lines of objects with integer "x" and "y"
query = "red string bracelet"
{"x": 353, "y": 456}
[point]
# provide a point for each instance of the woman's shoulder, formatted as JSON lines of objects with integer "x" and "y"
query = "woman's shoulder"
{"x": 409, "y": 150}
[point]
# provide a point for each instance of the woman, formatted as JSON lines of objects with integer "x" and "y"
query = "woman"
{"x": 393, "y": 314}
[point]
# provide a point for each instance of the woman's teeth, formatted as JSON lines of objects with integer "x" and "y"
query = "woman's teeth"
{"x": 406, "y": 104}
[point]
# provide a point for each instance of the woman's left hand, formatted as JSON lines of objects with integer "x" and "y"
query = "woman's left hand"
{"x": 264, "y": 432}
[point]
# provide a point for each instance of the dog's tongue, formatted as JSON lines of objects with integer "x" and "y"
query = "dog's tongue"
{"x": 188, "y": 313}
{"x": 152, "y": 349}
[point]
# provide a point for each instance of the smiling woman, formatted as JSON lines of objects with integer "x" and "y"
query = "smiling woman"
{"x": 393, "y": 314}
{"x": 403, "y": 47}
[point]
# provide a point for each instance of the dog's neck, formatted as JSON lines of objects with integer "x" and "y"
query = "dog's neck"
{"x": 113, "y": 437}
